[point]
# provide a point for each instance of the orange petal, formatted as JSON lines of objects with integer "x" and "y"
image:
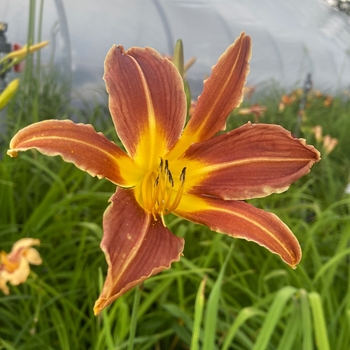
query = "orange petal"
{"x": 24, "y": 243}
{"x": 33, "y": 256}
{"x": 242, "y": 220}
{"x": 23, "y": 248}
{"x": 252, "y": 161}
{"x": 146, "y": 100}
{"x": 19, "y": 275}
{"x": 79, "y": 144}
{"x": 3, "y": 287}
{"x": 136, "y": 247}
{"x": 223, "y": 91}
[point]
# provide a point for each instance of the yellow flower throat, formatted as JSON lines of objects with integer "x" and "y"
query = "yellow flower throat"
{"x": 158, "y": 193}
{"x": 10, "y": 266}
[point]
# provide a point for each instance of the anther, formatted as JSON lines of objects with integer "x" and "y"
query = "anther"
{"x": 156, "y": 181}
{"x": 164, "y": 194}
{"x": 170, "y": 177}
{"x": 183, "y": 175}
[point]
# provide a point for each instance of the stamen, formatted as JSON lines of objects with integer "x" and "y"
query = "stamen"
{"x": 179, "y": 192}
{"x": 170, "y": 177}
{"x": 183, "y": 175}
{"x": 163, "y": 221}
{"x": 168, "y": 199}
{"x": 155, "y": 194}
{"x": 156, "y": 181}
{"x": 158, "y": 198}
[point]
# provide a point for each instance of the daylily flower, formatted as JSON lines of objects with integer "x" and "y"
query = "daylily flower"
{"x": 328, "y": 101}
{"x": 257, "y": 110}
{"x": 171, "y": 169}
{"x": 317, "y": 130}
{"x": 317, "y": 93}
{"x": 286, "y": 101}
{"x": 192, "y": 107}
{"x": 248, "y": 91}
{"x": 14, "y": 267}
{"x": 329, "y": 143}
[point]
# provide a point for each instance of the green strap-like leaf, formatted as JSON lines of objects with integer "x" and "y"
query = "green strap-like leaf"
{"x": 273, "y": 317}
{"x": 212, "y": 310}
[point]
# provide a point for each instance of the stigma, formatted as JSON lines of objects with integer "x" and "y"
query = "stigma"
{"x": 159, "y": 193}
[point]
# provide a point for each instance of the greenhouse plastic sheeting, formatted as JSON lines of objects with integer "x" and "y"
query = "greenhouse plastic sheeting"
{"x": 290, "y": 38}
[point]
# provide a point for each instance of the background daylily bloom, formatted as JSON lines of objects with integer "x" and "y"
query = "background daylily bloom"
{"x": 14, "y": 267}
{"x": 168, "y": 168}
{"x": 286, "y": 101}
{"x": 248, "y": 92}
{"x": 257, "y": 110}
{"x": 317, "y": 130}
{"x": 328, "y": 101}
{"x": 329, "y": 143}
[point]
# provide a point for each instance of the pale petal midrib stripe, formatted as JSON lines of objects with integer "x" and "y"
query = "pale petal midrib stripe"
{"x": 219, "y": 166}
{"x": 62, "y": 138}
{"x": 220, "y": 92}
{"x": 260, "y": 227}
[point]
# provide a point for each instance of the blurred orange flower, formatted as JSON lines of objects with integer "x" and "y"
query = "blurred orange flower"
{"x": 317, "y": 130}
{"x": 318, "y": 93}
{"x": 329, "y": 143}
{"x": 257, "y": 110}
{"x": 286, "y": 101}
{"x": 248, "y": 91}
{"x": 328, "y": 101}
{"x": 192, "y": 107}
{"x": 14, "y": 267}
